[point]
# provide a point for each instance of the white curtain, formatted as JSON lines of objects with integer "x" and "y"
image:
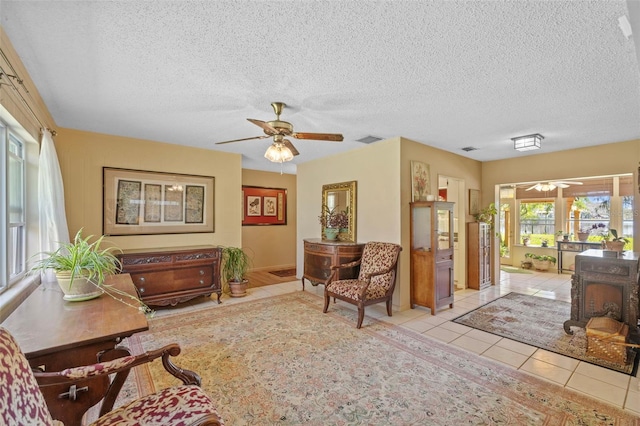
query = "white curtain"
{"x": 53, "y": 220}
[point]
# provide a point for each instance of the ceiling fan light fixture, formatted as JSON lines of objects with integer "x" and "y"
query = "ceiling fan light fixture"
{"x": 528, "y": 142}
{"x": 278, "y": 153}
{"x": 545, "y": 187}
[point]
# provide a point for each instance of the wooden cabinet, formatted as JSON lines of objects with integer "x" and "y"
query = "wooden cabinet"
{"x": 478, "y": 255}
{"x": 320, "y": 255}
{"x": 168, "y": 276}
{"x": 604, "y": 286}
{"x": 432, "y": 235}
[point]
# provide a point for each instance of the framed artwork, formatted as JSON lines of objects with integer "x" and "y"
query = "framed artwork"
{"x": 138, "y": 202}
{"x": 420, "y": 181}
{"x": 264, "y": 206}
{"x": 474, "y": 201}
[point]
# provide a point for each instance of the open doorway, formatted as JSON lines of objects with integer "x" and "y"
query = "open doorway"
{"x": 453, "y": 189}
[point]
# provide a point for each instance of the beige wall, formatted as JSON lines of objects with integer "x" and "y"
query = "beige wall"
{"x": 383, "y": 173}
{"x": 272, "y": 246}
{"x": 82, "y": 156}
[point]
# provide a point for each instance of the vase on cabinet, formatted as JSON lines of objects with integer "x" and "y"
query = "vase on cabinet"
{"x": 331, "y": 233}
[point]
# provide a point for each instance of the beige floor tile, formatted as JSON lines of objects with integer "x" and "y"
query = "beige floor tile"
{"x": 614, "y": 378}
{"x": 546, "y": 371}
{"x": 556, "y": 359}
{"x": 458, "y": 328}
{"x": 505, "y": 356}
{"x": 441, "y": 334}
{"x": 471, "y": 344}
{"x": 483, "y": 336}
{"x": 599, "y": 389}
{"x": 516, "y": 347}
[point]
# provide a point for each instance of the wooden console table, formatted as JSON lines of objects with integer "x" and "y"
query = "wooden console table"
{"x": 604, "y": 286}
{"x": 574, "y": 247}
{"x": 320, "y": 255}
{"x": 55, "y": 334}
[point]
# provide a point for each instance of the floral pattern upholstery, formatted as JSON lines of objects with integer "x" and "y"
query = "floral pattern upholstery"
{"x": 177, "y": 405}
{"x": 22, "y": 403}
{"x": 375, "y": 283}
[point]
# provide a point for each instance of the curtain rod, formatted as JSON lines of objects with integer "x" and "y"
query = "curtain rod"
{"x": 21, "y": 82}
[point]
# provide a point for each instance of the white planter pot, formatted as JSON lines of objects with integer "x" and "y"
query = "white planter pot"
{"x": 81, "y": 289}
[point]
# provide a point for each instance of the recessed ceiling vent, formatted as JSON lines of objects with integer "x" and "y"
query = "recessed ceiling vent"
{"x": 469, "y": 148}
{"x": 369, "y": 139}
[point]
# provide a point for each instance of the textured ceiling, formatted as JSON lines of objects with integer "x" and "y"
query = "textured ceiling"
{"x": 449, "y": 74}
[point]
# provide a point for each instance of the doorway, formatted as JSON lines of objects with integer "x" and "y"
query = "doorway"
{"x": 453, "y": 189}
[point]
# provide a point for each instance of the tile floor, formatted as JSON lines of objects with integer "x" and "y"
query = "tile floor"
{"x": 615, "y": 388}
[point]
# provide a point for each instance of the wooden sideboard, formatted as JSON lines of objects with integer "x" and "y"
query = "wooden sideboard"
{"x": 604, "y": 286}
{"x": 55, "y": 334}
{"x": 320, "y": 255}
{"x": 168, "y": 276}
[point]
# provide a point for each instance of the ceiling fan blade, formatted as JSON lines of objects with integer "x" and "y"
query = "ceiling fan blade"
{"x": 289, "y": 145}
{"x": 560, "y": 184}
{"x": 565, "y": 182}
{"x": 332, "y": 137}
{"x": 533, "y": 187}
{"x": 243, "y": 139}
{"x": 265, "y": 126}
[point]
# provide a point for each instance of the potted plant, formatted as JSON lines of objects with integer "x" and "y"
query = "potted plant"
{"x": 486, "y": 215}
{"x": 81, "y": 267}
{"x": 329, "y": 221}
{"x": 611, "y": 241}
{"x": 541, "y": 262}
{"x": 235, "y": 264}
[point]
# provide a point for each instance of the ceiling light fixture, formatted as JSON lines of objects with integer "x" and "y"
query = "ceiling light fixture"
{"x": 527, "y": 143}
{"x": 545, "y": 187}
{"x": 278, "y": 153}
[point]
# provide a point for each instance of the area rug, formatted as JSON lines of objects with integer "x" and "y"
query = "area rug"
{"x": 537, "y": 321}
{"x": 281, "y": 361}
{"x": 284, "y": 272}
{"x": 514, "y": 270}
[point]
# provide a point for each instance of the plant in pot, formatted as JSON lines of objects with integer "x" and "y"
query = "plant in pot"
{"x": 81, "y": 267}
{"x": 541, "y": 262}
{"x": 611, "y": 241}
{"x": 235, "y": 264}
{"x": 329, "y": 221}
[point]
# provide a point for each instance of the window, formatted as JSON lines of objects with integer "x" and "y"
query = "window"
{"x": 13, "y": 190}
{"x": 537, "y": 221}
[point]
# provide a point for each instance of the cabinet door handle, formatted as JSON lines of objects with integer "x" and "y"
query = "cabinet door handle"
{"x": 142, "y": 280}
{"x": 202, "y": 282}
{"x": 201, "y": 272}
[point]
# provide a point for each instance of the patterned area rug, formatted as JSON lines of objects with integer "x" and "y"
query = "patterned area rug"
{"x": 537, "y": 321}
{"x": 281, "y": 361}
{"x": 284, "y": 272}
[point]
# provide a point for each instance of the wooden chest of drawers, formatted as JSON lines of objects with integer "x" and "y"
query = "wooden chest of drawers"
{"x": 168, "y": 276}
{"x": 320, "y": 255}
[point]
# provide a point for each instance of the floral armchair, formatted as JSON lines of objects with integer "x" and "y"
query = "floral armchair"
{"x": 375, "y": 283}
{"x": 22, "y": 401}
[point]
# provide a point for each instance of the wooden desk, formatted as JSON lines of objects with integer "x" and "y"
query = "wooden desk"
{"x": 55, "y": 334}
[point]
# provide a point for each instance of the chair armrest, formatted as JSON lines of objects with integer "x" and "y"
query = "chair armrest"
{"x": 121, "y": 364}
{"x": 346, "y": 265}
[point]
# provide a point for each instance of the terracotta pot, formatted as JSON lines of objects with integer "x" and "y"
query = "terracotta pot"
{"x": 81, "y": 289}
{"x": 238, "y": 288}
{"x": 614, "y": 245}
{"x": 583, "y": 236}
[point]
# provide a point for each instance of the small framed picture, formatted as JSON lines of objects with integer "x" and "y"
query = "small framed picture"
{"x": 264, "y": 206}
{"x": 474, "y": 201}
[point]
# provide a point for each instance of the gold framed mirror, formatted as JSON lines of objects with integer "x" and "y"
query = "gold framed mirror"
{"x": 341, "y": 197}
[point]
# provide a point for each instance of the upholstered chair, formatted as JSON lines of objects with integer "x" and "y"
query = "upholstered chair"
{"x": 22, "y": 401}
{"x": 375, "y": 283}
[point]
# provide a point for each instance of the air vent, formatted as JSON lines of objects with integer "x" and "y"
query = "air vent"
{"x": 469, "y": 148}
{"x": 369, "y": 139}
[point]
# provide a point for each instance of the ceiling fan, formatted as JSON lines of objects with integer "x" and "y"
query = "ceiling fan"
{"x": 551, "y": 185}
{"x": 282, "y": 149}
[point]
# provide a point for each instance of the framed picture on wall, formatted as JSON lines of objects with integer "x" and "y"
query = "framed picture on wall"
{"x": 139, "y": 202}
{"x": 420, "y": 181}
{"x": 264, "y": 206}
{"x": 474, "y": 201}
